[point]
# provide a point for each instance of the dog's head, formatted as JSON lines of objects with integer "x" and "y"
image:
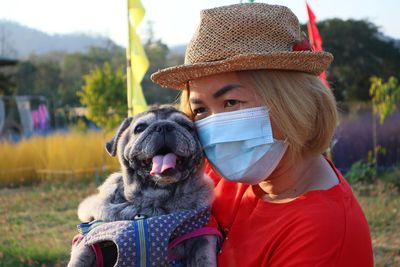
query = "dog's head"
{"x": 158, "y": 147}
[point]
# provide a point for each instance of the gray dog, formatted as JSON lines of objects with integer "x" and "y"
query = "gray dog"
{"x": 161, "y": 173}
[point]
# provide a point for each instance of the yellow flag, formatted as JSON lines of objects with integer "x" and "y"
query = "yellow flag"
{"x": 136, "y": 9}
{"x": 137, "y": 62}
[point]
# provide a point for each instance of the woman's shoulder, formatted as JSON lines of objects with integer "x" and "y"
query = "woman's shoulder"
{"x": 331, "y": 194}
{"x": 317, "y": 210}
{"x": 330, "y": 207}
{"x": 330, "y": 223}
{"x": 323, "y": 233}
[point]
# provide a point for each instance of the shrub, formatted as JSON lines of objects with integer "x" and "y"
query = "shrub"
{"x": 361, "y": 171}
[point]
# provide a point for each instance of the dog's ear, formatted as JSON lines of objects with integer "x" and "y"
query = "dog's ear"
{"x": 111, "y": 146}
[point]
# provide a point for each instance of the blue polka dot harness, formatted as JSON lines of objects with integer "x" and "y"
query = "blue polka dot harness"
{"x": 145, "y": 241}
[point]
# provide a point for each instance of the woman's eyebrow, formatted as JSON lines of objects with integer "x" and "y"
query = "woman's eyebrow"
{"x": 196, "y": 101}
{"x": 225, "y": 89}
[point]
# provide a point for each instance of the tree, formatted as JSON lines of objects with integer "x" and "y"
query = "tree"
{"x": 158, "y": 55}
{"x": 40, "y": 75}
{"x": 7, "y": 87}
{"x": 104, "y": 94}
{"x": 58, "y": 75}
{"x": 25, "y": 77}
{"x": 360, "y": 52}
{"x": 7, "y": 84}
{"x": 75, "y": 65}
{"x": 385, "y": 96}
{"x": 47, "y": 78}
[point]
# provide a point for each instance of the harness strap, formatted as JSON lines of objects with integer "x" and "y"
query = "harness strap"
{"x": 77, "y": 238}
{"x": 195, "y": 233}
{"x": 99, "y": 255}
{"x": 95, "y": 247}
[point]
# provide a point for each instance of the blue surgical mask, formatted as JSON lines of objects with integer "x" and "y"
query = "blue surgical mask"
{"x": 240, "y": 145}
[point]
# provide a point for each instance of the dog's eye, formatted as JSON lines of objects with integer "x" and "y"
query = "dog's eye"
{"x": 140, "y": 128}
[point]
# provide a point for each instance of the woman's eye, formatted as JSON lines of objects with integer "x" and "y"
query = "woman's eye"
{"x": 231, "y": 103}
{"x": 198, "y": 111}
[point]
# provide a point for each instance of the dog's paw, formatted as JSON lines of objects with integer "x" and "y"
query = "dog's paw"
{"x": 201, "y": 261}
{"x": 201, "y": 252}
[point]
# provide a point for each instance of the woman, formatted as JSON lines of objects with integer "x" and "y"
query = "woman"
{"x": 264, "y": 119}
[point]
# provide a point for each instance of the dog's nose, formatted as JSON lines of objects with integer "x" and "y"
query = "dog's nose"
{"x": 164, "y": 128}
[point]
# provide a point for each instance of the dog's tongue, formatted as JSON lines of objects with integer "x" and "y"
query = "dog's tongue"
{"x": 162, "y": 163}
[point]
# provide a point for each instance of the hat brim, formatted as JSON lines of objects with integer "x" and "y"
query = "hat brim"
{"x": 314, "y": 62}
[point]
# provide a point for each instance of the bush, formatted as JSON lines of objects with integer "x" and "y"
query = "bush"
{"x": 104, "y": 95}
{"x": 361, "y": 171}
{"x": 365, "y": 173}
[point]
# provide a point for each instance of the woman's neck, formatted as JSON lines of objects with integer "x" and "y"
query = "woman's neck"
{"x": 292, "y": 179}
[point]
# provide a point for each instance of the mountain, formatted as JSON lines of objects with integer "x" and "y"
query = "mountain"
{"x": 20, "y": 41}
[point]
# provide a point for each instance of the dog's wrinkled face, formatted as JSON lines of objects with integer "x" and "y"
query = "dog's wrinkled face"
{"x": 159, "y": 147}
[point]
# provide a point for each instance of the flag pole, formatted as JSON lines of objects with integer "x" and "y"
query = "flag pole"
{"x": 137, "y": 62}
{"x": 129, "y": 65}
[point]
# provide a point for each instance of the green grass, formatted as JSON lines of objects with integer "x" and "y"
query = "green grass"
{"x": 38, "y": 222}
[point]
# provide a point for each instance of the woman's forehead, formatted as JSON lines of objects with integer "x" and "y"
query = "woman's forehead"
{"x": 210, "y": 85}
{"x": 213, "y": 81}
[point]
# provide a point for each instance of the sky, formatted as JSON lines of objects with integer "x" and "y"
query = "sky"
{"x": 174, "y": 21}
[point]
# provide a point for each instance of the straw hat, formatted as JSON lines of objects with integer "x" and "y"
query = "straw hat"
{"x": 244, "y": 37}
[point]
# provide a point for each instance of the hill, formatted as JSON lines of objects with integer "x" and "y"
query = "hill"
{"x": 20, "y": 41}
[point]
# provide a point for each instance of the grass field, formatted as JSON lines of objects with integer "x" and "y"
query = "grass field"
{"x": 38, "y": 222}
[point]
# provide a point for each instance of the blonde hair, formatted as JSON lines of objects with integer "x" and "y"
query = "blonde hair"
{"x": 300, "y": 105}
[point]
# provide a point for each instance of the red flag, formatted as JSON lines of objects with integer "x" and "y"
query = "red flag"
{"x": 315, "y": 38}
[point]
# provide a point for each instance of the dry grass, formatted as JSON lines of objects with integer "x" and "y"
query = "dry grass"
{"x": 381, "y": 205}
{"x": 56, "y": 157}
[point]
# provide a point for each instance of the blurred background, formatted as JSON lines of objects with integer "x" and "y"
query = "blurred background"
{"x": 63, "y": 89}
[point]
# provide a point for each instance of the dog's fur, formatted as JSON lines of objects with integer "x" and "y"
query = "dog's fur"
{"x": 133, "y": 191}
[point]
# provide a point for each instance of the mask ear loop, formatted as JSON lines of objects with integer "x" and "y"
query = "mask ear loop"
{"x": 285, "y": 141}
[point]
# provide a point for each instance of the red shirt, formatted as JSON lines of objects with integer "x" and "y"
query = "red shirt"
{"x": 319, "y": 228}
